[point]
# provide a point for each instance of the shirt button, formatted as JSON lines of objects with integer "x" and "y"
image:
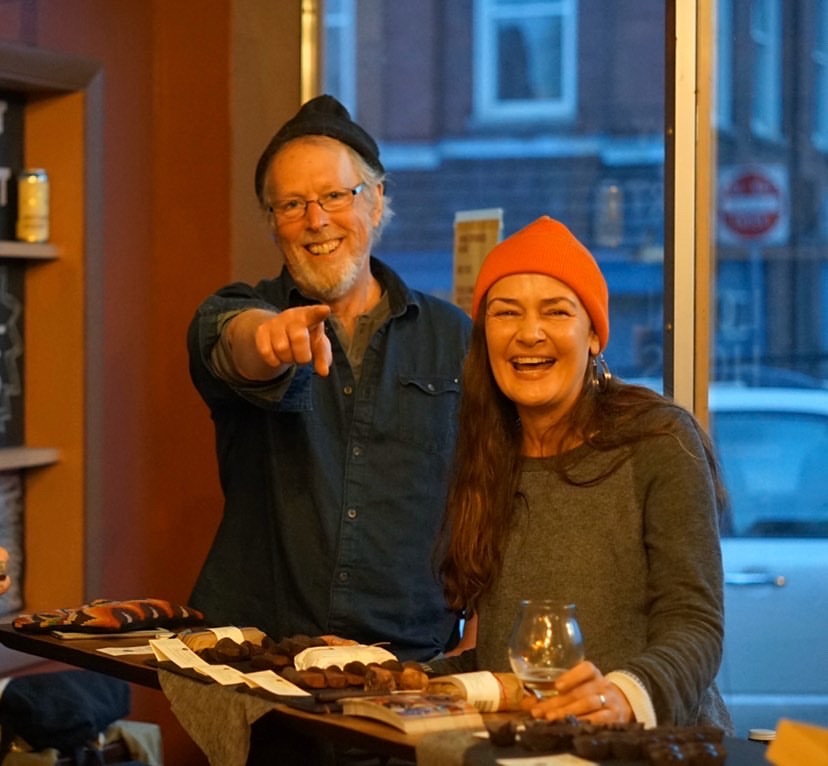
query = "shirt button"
{"x": 343, "y": 577}
{"x": 430, "y": 387}
{"x": 348, "y": 390}
{"x": 351, "y": 513}
{"x": 357, "y": 451}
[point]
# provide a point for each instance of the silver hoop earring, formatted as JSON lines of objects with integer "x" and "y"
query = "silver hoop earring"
{"x": 601, "y": 375}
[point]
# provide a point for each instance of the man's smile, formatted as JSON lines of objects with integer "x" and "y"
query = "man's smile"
{"x": 323, "y": 248}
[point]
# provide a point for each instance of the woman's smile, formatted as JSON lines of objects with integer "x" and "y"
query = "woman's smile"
{"x": 532, "y": 363}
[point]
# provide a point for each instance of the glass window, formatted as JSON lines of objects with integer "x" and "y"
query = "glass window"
{"x": 771, "y": 268}
{"x": 466, "y": 101}
{"x": 769, "y": 398}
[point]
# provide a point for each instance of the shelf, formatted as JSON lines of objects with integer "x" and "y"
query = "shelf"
{"x": 14, "y": 458}
{"x": 35, "y": 251}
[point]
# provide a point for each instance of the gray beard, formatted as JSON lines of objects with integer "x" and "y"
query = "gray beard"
{"x": 311, "y": 287}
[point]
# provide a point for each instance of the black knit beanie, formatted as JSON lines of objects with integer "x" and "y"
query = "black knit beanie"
{"x": 321, "y": 116}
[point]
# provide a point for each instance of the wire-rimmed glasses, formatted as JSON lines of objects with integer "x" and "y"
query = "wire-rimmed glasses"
{"x": 294, "y": 208}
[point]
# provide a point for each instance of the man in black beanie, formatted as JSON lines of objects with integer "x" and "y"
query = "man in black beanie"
{"x": 333, "y": 388}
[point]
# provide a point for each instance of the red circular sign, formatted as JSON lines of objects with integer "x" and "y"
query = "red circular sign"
{"x": 751, "y": 204}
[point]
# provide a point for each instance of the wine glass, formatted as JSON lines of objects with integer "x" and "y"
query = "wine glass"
{"x": 546, "y": 640}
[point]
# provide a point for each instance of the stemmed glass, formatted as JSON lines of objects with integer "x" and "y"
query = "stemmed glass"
{"x": 546, "y": 640}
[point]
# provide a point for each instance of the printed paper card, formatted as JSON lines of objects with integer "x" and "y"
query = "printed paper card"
{"x": 275, "y": 684}
{"x": 176, "y": 651}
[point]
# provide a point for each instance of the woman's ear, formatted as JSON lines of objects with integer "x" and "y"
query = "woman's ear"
{"x": 594, "y": 344}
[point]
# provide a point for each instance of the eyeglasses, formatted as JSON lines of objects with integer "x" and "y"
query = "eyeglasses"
{"x": 294, "y": 208}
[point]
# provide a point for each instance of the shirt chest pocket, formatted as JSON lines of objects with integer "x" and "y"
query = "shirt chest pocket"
{"x": 426, "y": 411}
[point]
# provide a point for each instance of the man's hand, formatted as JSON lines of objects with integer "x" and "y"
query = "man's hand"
{"x": 264, "y": 344}
{"x": 296, "y": 336}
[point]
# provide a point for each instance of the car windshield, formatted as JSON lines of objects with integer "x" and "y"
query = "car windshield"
{"x": 775, "y": 465}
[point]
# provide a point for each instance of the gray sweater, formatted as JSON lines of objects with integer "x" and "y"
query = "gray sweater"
{"x": 638, "y": 554}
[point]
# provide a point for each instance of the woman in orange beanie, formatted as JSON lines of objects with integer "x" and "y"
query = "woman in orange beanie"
{"x": 573, "y": 486}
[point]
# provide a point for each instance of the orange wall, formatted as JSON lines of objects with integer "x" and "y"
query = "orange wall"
{"x": 166, "y": 238}
{"x": 54, "y": 341}
{"x": 166, "y": 141}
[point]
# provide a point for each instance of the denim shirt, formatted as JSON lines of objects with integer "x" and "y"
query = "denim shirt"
{"x": 335, "y": 488}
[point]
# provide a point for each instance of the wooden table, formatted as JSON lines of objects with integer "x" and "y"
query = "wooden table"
{"x": 83, "y": 653}
{"x": 345, "y": 730}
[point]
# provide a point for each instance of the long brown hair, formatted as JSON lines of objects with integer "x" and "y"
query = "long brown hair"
{"x": 486, "y": 471}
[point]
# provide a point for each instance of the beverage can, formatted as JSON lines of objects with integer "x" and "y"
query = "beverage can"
{"x": 33, "y": 205}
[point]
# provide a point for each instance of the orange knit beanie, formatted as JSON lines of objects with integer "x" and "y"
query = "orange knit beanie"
{"x": 548, "y": 247}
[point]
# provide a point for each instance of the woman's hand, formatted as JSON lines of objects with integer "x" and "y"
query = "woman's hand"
{"x": 583, "y": 692}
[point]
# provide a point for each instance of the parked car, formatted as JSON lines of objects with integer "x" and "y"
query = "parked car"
{"x": 773, "y": 447}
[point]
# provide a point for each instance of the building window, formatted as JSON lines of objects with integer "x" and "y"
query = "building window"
{"x": 339, "y": 52}
{"x": 766, "y": 43}
{"x": 724, "y": 53}
{"x": 525, "y": 59}
{"x": 820, "y": 59}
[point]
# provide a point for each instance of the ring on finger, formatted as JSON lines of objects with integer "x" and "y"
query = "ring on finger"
{"x": 603, "y": 700}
